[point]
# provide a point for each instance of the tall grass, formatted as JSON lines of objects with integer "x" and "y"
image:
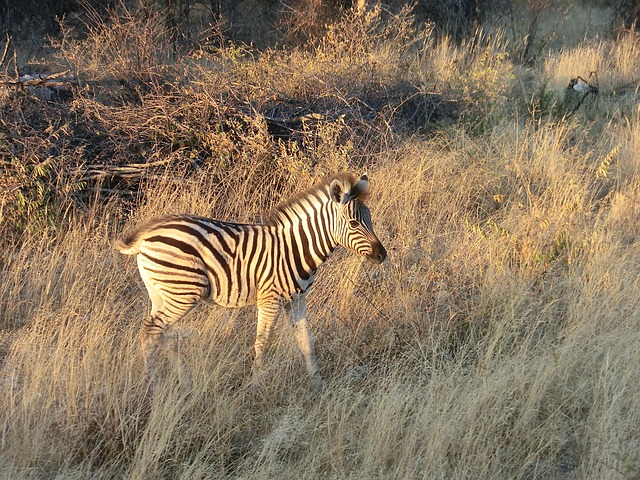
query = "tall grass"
{"x": 500, "y": 339}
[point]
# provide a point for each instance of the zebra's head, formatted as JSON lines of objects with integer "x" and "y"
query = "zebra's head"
{"x": 354, "y": 229}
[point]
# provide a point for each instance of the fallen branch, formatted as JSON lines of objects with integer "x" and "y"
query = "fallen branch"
{"x": 45, "y": 87}
{"x": 297, "y": 120}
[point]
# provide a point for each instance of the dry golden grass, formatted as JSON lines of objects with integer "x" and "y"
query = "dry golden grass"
{"x": 501, "y": 339}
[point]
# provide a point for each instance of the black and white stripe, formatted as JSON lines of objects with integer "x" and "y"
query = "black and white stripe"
{"x": 184, "y": 259}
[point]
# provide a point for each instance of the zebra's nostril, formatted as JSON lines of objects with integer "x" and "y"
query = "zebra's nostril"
{"x": 378, "y": 255}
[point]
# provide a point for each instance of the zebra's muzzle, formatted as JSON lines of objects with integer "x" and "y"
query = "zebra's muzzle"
{"x": 378, "y": 253}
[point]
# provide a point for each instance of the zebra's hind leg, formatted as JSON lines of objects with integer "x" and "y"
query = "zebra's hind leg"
{"x": 155, "y": 340}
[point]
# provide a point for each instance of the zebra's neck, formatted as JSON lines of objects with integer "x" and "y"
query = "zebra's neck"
{"x": 307, "y": 225}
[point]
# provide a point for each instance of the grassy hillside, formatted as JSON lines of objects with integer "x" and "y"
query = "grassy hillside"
{"x": 501, "y": 338}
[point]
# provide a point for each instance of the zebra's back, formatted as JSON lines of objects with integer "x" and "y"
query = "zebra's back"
{"x": 186, "y": 258}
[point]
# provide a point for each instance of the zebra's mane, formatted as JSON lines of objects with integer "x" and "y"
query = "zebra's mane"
{"x": 320, "y": 189}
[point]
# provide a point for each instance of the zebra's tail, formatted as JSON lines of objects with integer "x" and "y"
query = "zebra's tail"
{"x": 129, "y": 245}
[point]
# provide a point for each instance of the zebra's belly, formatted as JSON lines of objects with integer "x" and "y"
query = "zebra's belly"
{"x": 233, "y": 300}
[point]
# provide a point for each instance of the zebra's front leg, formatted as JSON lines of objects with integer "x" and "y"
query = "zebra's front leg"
{"x": 267, "y": 314}
{"x": 298, "y": 317}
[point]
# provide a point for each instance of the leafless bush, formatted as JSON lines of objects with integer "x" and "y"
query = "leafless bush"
{"x": 131, "y": 48}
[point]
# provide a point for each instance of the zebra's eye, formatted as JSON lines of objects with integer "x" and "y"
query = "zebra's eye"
{"x": 354, "y": 223}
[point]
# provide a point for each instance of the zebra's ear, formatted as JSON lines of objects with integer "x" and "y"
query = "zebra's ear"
{"x": 335, "y": 191}
{"x": 360, "y": 187}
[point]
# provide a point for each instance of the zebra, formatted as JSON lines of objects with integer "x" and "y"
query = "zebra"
{"x": 184, "y": 259}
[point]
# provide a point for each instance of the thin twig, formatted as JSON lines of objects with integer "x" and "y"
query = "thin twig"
{"x": 6, "y": 50}
{"x": 369, "y": 301}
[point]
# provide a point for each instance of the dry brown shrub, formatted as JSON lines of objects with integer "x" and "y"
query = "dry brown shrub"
{"x": 130, "y": 48}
